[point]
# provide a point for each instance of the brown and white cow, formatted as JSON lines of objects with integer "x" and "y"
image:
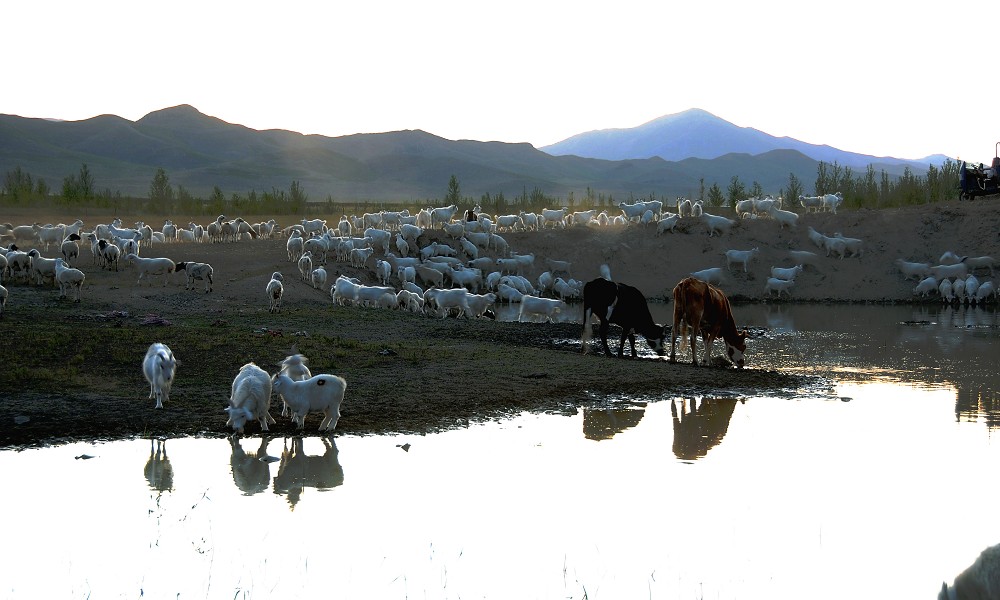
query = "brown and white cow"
{"x": 705, "y": 309}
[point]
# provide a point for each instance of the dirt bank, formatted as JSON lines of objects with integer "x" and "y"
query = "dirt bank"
{"x": 72, "y": 371}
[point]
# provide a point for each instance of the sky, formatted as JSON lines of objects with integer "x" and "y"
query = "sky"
{"x": 886, "y": 78}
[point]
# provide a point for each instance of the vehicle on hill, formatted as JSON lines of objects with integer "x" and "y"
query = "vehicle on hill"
{"x": 977, "y": 180}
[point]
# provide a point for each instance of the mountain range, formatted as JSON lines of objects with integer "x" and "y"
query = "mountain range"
{"x": 667, "y": 157}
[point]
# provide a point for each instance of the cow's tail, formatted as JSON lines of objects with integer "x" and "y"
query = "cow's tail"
{"x": 585, "y": 337}
{"x": 606, "y": 272}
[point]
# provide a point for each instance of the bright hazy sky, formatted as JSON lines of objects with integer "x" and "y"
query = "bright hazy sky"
{"x": 875, "y": 77}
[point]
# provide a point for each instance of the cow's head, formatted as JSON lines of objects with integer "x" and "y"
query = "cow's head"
{"x": 737, "y": 349}
{"x": 658, "y": 343}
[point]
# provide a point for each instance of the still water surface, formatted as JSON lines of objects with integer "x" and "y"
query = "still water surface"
{"x": 878, "y": 483}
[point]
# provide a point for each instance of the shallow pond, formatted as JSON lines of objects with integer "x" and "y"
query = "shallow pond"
{"x": 877, "y": 484}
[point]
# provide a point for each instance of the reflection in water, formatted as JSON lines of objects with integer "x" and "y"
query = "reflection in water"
{"x": 159, "y": 473}
{"x": 604, "y": 423}
{"x": 700, "y": 427}
{"x": 299, "y": 470}
{"x": 250, "y": 473}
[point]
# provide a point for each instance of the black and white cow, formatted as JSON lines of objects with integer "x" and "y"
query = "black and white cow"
{"x": 622, "y": 305}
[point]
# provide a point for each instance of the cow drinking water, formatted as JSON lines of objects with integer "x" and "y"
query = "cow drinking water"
{"x": 705, "y": 309}
{"x": 622, "y": 305}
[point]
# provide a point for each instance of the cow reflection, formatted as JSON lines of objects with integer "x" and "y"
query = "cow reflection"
{"x": 605, "y": 423}
{"x": 299, "y": 470}
{"x": 700, "y": 427}
{"x": 250, "y": 473}
{"x": 159, "y": 472}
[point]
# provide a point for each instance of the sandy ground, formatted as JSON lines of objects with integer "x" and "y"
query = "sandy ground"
{"x": 410, "y": 372}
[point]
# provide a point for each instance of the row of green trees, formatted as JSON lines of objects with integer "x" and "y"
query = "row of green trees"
{"x": 868, "y": 189}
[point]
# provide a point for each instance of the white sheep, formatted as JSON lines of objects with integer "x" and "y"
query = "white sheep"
{"x": 295, "y": 246}
{"x": 480, "y": 303}
{"x": 68, "y": 277}
{"x": 979, "y": 262}
{"x": 109, "y": 253}
{"x": 70, "y": 249}
{"x": 742, "y": 257}
{"x": 410, "y": 301}
{"x": 296, "y": 367}
{"x": 3, "y": 300}
{"x": 159, "y": 367}
{"x": 250, "y": 398}
{"x": 196, "y": 271}
{"x": 668, "y": 223}
{"x": 41, "y": 268}
{"x": 383, "y": 271}
{"x": 275, "y": 289}
{"x": 152, "y": 266}
{"x": 319, "y": 393}
{"x": 946, "y": 290}
{"x": 344, "y": 291}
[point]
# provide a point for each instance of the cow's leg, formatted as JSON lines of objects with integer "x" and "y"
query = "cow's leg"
{"x": 708, "y": 350}
{"x": 621, "y": 343}
{"x": 603, "y": 332}
{"x": 695, "y": 328}
{"x": 631, "y": 341}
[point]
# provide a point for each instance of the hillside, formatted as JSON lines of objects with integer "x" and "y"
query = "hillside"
{"x": 200, "y": 152}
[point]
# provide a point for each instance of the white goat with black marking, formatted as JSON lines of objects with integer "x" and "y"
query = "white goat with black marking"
{"x": 319, "y": 393}
{"x": 196, "y": 270}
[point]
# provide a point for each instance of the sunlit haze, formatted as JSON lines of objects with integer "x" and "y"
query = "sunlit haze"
{"x": 886, "y": 78}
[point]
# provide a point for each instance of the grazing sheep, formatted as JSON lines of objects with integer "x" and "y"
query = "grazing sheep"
{"x": 250, "y": 398}
{"x": 742, "y": 257}
{"x": 274, "y": 290}
{"x": 159, "y": 367}
{"x": 778, "y": 285}
{"x": 196, "y": 270}
{"x": 323, "y": 393}
{"x": 305, "y": 265}
{"x": 42, "y": 268}
{"x": 3, "y": 300}
{"x": 68, "y": 277}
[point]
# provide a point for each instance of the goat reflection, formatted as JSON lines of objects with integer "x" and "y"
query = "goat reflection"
{"x": 299, "y": 470}
{"x": 159, "y": 473}
{"x": 250, "y": 474}
{"x": 700, "y": 427}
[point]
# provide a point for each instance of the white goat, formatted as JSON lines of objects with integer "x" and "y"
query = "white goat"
{"x": 196, "y": 270}
{"x": 152, "y": 266}
{"x": 926, "y": 287}
{"x": 250, "y": 398}
{"x": 3, "y": 300}
{"x": 740, "y": 257}
{"x": 533, "y": 307}
{"x": 913, "y": 269}
{"x": 323, "y": 393}
{"x": 778, "y": 285}
{"x": 159, "y": 367}
{"x": 318, "y": 277}
{"x": 294, "y": 366}
{"x": 786, "y": 274}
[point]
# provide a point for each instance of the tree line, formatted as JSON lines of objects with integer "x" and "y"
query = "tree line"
{"x": 867, "y": 189}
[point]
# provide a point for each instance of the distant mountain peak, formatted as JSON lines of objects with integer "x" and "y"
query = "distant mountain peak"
{"x": 697, "y": 133}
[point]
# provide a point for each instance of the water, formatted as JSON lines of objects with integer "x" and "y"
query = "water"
{"x": 879, "y": 485}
